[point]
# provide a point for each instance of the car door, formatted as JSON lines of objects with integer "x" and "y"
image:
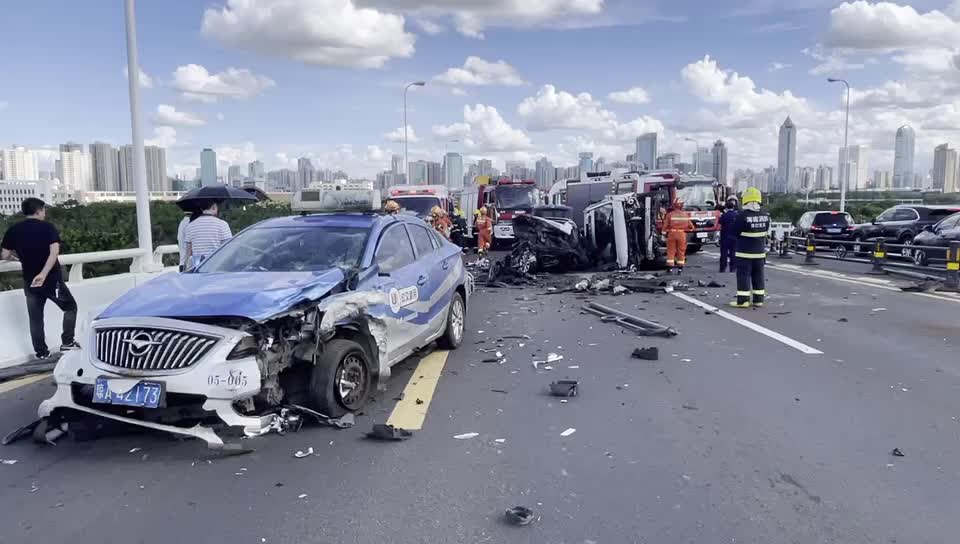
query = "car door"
{"x": 399, "y": 275}
{"x": 433, "y": 278}
{"x": 877, "y": 228}
{"x": 948, "y": 231}
{"x": 803, "y": 225}
{"x": 902, "y": 218}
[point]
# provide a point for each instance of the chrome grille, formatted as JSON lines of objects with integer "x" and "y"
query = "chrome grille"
{"x": 142, "y": 348}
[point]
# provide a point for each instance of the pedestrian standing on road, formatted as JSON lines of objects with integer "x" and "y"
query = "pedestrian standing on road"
{"x": 676, "y": 224}
{"x": 36, "y": 243}
{"x": 206, "y": 233}
{"x": 728, "y": 238}
{"x": 182, "y": 240}
{"x": 752, "y": 227}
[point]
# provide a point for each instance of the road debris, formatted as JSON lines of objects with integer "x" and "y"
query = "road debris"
{"x": 519, "y": 515}
{"x": 568, "y": 432}
{"x": 300, "y": 454}
{"x": 565, "y": 388}
{"x": 135, "y": 450}
{"x": 500, "y": 440}
{"x": 466, "y": 436}
{"x": 843, "y": 320}
{"x": 619, "y": 290}
{"x": 642, "y": 327}
{"x": 897, "y": 453}
{"x": 388, "y": 432}
{"x": 498, "y": 391}
{"x": 8, "y": 461}
{"x": 646, "y": 354}
{"x": 878, "y": 310}
{"x": 302, "y": 496}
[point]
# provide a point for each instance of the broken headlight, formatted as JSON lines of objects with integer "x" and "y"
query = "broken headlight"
{"x": 246, "y": 347}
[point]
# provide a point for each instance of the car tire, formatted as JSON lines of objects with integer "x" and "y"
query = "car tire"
{"x": 906, "y": 240}
{"x": 858, "y": 245}
{"x": 456, "y": 318}
{"x": 920, "y": 257}
{"x": 342, "y": 379}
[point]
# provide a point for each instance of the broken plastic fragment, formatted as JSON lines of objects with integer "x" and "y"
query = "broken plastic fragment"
{"x": 564, "y": 388}
{"x": 302, "y": 496}
{"x": 878, "y": 310}
{"x": 568, "y": 432}
{"x": 500, "y": 440}
{"x": 897, "y": 453}
{"x": 301, "y": 454}
{"x": 388, "y": 432}
{"x": 646, "y": 354}
{"x": 619, "y": 289}
{"x": 135, "y": 450}
{"x": 8, "y": 461}
{"x": 465, "y": 436}
{"x": 519, "y": 515}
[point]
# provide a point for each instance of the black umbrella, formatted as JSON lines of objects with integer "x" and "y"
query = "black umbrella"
{"x": 213, "y": 193}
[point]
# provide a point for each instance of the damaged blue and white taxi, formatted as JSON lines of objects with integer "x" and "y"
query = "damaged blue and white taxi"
{"x": 311, "y": 310}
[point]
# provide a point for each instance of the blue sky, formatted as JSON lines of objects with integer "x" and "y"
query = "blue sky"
{"x": 324, "y": 78}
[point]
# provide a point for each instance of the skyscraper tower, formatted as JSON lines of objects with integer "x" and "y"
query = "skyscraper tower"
{"x": 786, "y": 158}
{"x": 903, "y": 157}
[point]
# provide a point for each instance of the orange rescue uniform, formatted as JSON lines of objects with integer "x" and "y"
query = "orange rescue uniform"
{"x": 676, "y": 225}
{"x": 484, "y": 227}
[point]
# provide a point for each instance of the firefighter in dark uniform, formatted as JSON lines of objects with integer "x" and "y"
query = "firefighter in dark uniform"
{"x": 751, "y": 227}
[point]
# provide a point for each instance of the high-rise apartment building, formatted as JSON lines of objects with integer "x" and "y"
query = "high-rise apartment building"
{"x": 305, "y": 172}
{"x": 453, "y": 170}
{"x": 255, "y": 171}
{"x": 125, "y": 168}
{"x": 720, "y": 162}
{"x": 824, "y": 179}
{"x": 104, "y": 167}
{"x": 703, "y": 162}
{"x": 73, "y": 170}
{"x": 485, "y": 167}
{"x": 155, "y": 159}
{"x": 544, "y": 174}
{"x": 667, "y": 161}
{"x": 786, "y": 158}
{"x": 586, "y": 163}
{"x": 417, "y": 173}
{"x": 945, "y": 168}
{"x": 514, "y": 169}
{"x": 235, "y": 175}
{"x": 19, "y": 164}
{"x": 208, "y": 167}
{"x": 903, "y": 156}
{"x": 71, "y": 146}
{"x": 646, "y": 150}
{"x": 852, "y": 168}
{"x": 434, "y": 173}
{"x": 396, "y": 164}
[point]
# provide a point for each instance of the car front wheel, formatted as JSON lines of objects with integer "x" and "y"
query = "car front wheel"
{"x": 342, "y": 380}
{"x": 906, "y": 252}
{"x": 920, "y": 257}
{"x": 456, "y": 316}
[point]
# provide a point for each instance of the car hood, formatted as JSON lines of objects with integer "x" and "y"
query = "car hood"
{"x": 254, "y": 295}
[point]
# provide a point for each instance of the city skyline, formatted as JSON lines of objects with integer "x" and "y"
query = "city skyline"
{"x": 220, "y": 88}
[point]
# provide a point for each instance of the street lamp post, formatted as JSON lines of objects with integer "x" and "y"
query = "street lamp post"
{"x": 406, "y": 158}
{"x": 846, "y": 149}
{"x": 144, "y": 231}
{"x": 696, "y": 155}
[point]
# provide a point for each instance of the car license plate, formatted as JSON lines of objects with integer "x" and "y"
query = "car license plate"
{"x": 702, "y": 235}
{"x": 833, "y": 231}
{"x": 142, "y": 394}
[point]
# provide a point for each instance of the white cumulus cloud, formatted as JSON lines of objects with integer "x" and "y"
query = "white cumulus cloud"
{"x": 375, "y": 153}
{"x": 557, "y": 109}
{"x": 471, "y": 17}
{"x": 326, "y": 32}
{"x": 163, "y": 136}
{"x": 237, "y": 154}
{"x": 477, "y": 71}
{"x": 146, "y": 81}
{"x": 636, "y": 95}
{"x": 196, "y": 82}
{"x": 484, "y": 130}
{"x": 886, "y": 26}
{"x": 169, "y": 115}
{"x": 397, "y": 135}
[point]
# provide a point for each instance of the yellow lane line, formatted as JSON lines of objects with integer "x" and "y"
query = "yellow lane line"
{"x": 408, "y": 414}
{"x": 16, "y": 384}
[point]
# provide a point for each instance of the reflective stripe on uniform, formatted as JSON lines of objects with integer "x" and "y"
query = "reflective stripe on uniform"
{"x": 743, "y": 293}
{"x": 740, "y": 255}
{"x": 760, "y": 292}
{"x": 754, "y": 234}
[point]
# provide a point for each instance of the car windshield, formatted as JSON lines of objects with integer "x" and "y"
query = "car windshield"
{"x": 516, "y": 197}
{"x": 293, "y": 249}
{"x": 833, "y": 218}
{"x": 421, "y": 205}
{"x": 697, "y": 196}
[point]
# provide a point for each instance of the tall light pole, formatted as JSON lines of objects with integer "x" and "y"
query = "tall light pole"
{"x": 846, "y": 149}
{"x": 144, "y": 232}
{"x": 406, "y": 158}
{"x": 696, "y": 157}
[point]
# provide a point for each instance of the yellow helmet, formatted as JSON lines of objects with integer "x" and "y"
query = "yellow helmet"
{"x": 392, "y": 206}
{"x": 751, "y": 194}
{"x": 436, "y": 211}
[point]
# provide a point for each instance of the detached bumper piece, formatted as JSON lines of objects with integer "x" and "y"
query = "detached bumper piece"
{"x": 641, "y": 326}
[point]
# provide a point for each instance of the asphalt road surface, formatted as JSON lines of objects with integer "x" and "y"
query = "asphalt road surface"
{"x": 774, "y": 427}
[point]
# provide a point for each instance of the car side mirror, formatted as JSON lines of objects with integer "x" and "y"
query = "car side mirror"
{"x": 928, "y": 228}
{"x": 874, "y": 220}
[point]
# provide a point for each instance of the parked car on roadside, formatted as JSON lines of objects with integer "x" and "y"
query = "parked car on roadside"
{"x": 825, "y": 225}
{"x": 900, "y": 224}
{"x": 939, "y": 236}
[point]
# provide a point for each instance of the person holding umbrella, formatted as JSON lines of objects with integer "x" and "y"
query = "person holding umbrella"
{"x": 206, "y": 232}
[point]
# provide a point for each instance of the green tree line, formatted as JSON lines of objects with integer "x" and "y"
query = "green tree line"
{"x": 105, "y": 226}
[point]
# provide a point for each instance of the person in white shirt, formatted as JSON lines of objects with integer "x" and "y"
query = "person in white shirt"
{"x": 182, "y": 240}
{"x": 205, "y": 234}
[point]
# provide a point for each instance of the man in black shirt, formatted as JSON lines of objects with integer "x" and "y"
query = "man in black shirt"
{"x": 36, "y": 243}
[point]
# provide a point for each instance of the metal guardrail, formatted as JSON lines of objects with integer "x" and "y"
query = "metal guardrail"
{"x": 877, "y": 253}
{"x": 76, "y": 261}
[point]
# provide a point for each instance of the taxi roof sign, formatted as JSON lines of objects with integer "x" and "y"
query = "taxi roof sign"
{"x": 332, "y": 201}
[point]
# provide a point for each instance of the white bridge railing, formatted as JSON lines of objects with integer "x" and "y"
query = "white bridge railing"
{"x": 92, "y": 294}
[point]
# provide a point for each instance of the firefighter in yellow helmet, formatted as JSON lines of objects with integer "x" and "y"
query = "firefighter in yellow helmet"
{"x": 752, "y": 227}
{"x": 391, "y": 207}
{"x": 483, "y": 226}
{"x": 440, "y": 221}
{"x": 676, "y": 225}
